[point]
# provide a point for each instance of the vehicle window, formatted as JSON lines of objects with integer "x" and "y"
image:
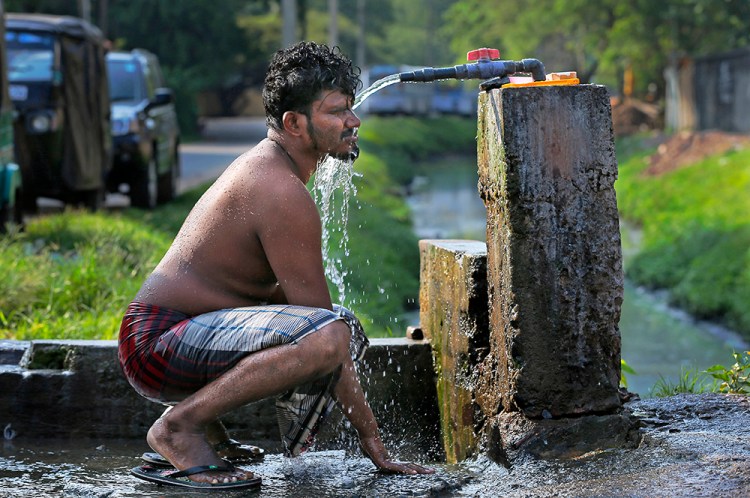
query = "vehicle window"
{"x": 30, "y": 56}
{"x": 148, "y": 74}
{"x": 124, "y": 81}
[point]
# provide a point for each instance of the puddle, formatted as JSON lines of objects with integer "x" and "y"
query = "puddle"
{"x": 101, "y": 469}
{"x": 692, "y": 446}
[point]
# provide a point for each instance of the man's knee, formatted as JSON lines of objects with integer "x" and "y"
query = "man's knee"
{"x": 325, "y": 350}
{"x": 335, "y": 338}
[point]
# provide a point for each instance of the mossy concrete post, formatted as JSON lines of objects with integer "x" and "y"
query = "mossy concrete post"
{"x": 454, "y": 318}
{"x": 547, "y": 169}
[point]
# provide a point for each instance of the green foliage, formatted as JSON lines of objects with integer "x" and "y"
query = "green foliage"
{"x": 599, "y": 39}
{"x": 735, "y": 379}
{"x": 695, "y": 224}
{"x": 690, "y": 381}
{"x": 71, "y": 275}
{"x": 625, "y": 369}
{"x": 402, "y": 142}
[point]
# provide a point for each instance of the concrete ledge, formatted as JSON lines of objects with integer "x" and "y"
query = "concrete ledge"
{"x": 64, "y": 389}
{"x": 453, "y": 303}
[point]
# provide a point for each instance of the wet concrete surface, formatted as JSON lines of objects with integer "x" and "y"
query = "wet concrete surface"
{"x": 693, "y": 446}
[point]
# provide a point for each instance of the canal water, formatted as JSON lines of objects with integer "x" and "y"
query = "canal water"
{"x": 659, "y": 343}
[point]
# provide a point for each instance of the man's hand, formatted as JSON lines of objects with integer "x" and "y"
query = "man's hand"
{"x": 374, "y": 449}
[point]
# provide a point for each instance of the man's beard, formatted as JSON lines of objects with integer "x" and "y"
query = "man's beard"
{"x": 350, "y": 155}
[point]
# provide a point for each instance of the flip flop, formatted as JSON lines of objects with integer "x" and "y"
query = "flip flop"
{"x": 180, "y": 477}
{"x": 256, "y": 454}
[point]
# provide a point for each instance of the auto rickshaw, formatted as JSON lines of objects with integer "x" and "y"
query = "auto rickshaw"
{"x": 58, "y": 85}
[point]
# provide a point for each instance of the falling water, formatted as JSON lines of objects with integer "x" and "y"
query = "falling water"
{"x": 378, "y": 85}
{"x": 331, "y": 176}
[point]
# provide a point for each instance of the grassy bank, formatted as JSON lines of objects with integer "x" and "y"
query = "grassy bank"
{"x": 71, "y": 275}
{"x": 695, "y": 230}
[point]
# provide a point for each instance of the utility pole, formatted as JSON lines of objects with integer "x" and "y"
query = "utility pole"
{"x": 84, "y": 10}
{"x": 360, "y": 56}
{"x": 333, "y": 23}
{"x": 104, "y": 16}
{"x": 289, "y": 20}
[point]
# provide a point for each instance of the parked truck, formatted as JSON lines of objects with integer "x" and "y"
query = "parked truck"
{"x": 58, "y": 84}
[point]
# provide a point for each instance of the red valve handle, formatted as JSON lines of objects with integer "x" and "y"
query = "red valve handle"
{"x": 483, "y": 53}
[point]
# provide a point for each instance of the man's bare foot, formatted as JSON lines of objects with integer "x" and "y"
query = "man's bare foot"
{"x": 185, "y": 446}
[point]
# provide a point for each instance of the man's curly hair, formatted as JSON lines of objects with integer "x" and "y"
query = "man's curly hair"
{"x": 297, "y": 75}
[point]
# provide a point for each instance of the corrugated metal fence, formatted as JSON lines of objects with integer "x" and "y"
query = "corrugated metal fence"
{"x": 710, "y": 92}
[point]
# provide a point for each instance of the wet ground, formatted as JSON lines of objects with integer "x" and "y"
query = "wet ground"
{"x": 693, "y": 446}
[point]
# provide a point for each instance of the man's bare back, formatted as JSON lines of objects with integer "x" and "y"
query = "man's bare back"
{"x": 218, "y": 259}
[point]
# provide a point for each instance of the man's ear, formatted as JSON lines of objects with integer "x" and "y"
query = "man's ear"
{"x": 294, "y": 122}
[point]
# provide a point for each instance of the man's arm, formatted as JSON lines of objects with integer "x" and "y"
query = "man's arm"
{"x": 351, "y": 398}
{"x": 291, "y": 237}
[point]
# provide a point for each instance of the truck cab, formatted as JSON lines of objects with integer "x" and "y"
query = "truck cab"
{"x": 58, "y": 86}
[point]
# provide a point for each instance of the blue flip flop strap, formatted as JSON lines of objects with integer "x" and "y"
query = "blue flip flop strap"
{"x": 201, "y": 468}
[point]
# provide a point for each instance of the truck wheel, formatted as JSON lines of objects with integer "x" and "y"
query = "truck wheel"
{"x": 168, "y": 181}
{"x": 144, "y": 188}
{"x": 92, "y": 200}
{"x": 11, "y": 215}
{"x": 28, "y": 203}
{"x": 18, "y": 209}
{"x": 5, "y": 211}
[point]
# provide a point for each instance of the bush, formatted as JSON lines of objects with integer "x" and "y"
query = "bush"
{"x": 695, "y": 224}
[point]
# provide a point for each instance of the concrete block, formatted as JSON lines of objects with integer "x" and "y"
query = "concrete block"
{"x": 547, "y": 168}
{"x": 454, "y": 318}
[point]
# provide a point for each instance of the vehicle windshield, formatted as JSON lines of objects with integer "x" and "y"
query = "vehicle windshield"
{"x": 30, "y": 56}
{"x": 123, "y": 78}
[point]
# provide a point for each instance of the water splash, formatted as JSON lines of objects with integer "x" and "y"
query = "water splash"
{"x": 378, "y": 85}
{"x": 332, "y": 176}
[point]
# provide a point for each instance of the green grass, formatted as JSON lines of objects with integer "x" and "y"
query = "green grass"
{"x": 695, "y": 231}
{"x": 690, "y": 381}
{"x": 71, "y": 275}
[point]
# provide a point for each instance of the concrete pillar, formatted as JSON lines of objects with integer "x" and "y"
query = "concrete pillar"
{"x": 454, "y": 318}
{"x": 547, "y": 168}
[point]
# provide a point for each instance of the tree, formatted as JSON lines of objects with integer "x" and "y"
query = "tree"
{"x": 600, "y": 38}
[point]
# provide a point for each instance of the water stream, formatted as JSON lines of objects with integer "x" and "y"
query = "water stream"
{"x": 332, "y": 189}
{"x": 378, "y": 85}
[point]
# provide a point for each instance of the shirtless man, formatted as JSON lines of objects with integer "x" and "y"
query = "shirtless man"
{"x": 238, "y": 309}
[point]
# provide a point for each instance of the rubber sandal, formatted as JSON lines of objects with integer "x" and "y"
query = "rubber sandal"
{"x": 256, "y": 454}
{"x": 181, "y": 477}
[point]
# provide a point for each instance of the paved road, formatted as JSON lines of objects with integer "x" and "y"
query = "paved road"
{"x": 223, "y": 140}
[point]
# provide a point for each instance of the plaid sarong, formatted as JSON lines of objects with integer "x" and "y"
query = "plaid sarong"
{"x": 165, "y": 354}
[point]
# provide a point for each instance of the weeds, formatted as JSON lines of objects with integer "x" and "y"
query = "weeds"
{"x": 625, "y": 369}
{"x": 690, "y": 381}
{"x": 735, "y": 379}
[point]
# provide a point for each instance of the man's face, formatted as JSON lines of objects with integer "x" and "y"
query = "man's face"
{"x": 333, "y": 125}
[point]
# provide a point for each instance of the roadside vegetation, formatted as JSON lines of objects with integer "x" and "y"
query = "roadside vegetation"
{"x": 693, "y": 225}
{"x": 71, "y": 275}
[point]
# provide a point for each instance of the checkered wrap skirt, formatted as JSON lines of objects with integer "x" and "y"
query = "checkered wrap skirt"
{"x": 166, "y": 355}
